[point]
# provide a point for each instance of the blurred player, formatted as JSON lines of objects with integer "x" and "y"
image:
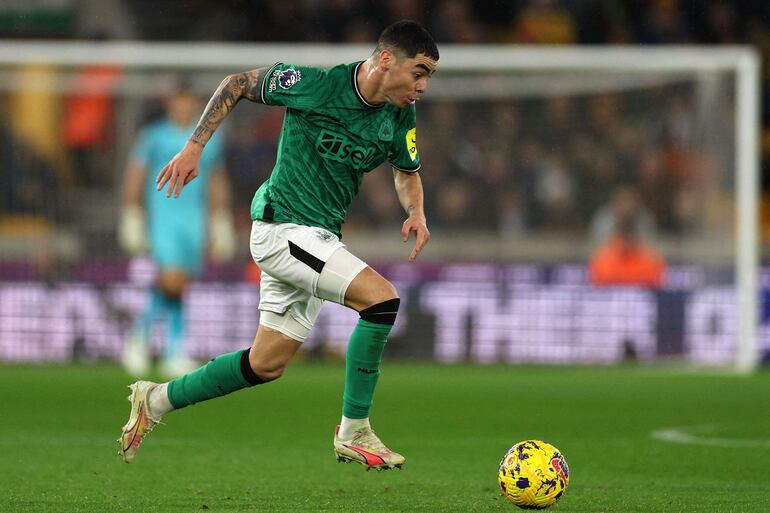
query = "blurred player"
{"x": 176, "y": 230}
{"x": 339, "y": 124}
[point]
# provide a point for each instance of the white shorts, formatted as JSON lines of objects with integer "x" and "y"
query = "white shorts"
{"x": 301, "y": 267}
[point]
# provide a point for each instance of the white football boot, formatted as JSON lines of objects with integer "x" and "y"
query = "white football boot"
{"x": 366, "y": 448}
{"x": 140, "y": 421}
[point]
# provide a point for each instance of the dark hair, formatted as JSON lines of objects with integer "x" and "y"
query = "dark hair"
{"x": 180, "y": 83}
{"x": 410, "y": 38}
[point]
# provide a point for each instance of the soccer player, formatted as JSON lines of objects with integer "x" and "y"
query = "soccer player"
{"x": 177, "y": 229}
{"x": 340, "y": 123}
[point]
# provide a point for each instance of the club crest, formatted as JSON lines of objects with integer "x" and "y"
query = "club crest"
{"x": 386, "y": 131}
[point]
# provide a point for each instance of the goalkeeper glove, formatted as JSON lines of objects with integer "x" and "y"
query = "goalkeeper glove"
{"x": 131, "y": 231}
{"x": 222, "y": 236}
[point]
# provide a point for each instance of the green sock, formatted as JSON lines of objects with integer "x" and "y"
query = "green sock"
{"x": 224, "y": 374}
{"x": 362, "y": 367}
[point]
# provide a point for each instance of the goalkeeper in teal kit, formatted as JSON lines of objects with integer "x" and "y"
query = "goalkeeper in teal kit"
{"x": 340, "y": 123}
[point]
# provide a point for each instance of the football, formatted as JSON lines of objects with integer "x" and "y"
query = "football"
{"x": 533, "y": 474}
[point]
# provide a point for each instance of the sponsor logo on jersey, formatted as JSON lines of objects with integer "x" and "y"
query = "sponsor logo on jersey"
{"x": 338, "y": 147}
{"x": 289, "y": 77}
{"x": 386, "y": 130}
{"x": 411, "y": 143}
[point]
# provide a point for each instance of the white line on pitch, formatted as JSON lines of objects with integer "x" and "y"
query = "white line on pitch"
{"x": 680, "y": 435}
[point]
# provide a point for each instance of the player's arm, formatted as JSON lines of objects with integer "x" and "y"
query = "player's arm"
{"x": 183, "y": 168}
{"x": 221, "y": 230}
{"x": 133, "y": 185}
{"x": 131, "y": 232}
{"x": 410, "y": 194}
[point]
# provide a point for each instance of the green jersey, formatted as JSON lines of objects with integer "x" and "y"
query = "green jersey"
{"x": 330, "y": 137}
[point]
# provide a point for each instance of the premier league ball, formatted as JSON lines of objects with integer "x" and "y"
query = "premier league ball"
{"x": 533, "y": 474}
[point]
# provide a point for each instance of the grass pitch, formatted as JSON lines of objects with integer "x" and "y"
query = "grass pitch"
{"x": 270, "y": 448}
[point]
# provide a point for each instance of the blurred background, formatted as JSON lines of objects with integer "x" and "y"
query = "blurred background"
{"x": 577, "y": 216}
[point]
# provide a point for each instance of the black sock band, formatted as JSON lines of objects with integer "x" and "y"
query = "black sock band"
{"x": 247, "y": 371}
{"x": 382, "y": 313}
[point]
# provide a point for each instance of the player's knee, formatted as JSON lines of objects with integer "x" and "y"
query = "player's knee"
{"x": 172, "y": 285}
{"x": 266, "y": 369}
{"x": 267, "y": 372}
{"x": 383, "y": 312}
{"x": 383, "y": 304}
{"x": 172, "y": 294}
{"x": 384, "y": 291}
{"x": 169, "y": 288}
{"x": 389, "y": 291}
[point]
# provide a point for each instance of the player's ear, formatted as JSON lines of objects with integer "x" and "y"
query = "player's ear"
{"x": 387, "y": 60}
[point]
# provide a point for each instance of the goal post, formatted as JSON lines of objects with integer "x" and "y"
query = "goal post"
{"x": 747, "y": 166}
{"x": 496, "y": 73}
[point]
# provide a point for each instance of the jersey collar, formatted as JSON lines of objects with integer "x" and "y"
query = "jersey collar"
{"x": 360, "y": 97}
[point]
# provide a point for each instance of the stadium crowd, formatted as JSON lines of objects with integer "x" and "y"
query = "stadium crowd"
{"x": 516, "y": 166}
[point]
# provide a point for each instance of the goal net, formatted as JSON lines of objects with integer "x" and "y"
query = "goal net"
{"x": 586, "y": 205}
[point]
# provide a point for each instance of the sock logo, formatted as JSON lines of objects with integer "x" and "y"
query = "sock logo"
{"x": 368, "y": 371}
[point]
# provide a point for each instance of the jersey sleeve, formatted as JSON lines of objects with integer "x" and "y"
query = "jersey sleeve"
{"x": 403, "y": 153}
{"x": 296, "y": 87}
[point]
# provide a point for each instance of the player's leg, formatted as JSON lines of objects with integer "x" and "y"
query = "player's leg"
{"x": 377, "y": 302}
{"x": 181, "y": 261}
{"x": 287, "y": 314}
{"x": 278, "y": 337}
{"x": 313, "y": 259}
{"x": 173, "y": 283}
{"x": 165, "y": 303}
{"x": 222, "y": 375}
{"x": 136, "y": 351}
{"x": 264, "y": 361}
{"x": 347, "y": 280}
{"x": 174, "y": 266}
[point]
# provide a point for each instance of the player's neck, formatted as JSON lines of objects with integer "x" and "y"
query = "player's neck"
{"x": 370, "y": 80}
{"x": 181, "y": 121}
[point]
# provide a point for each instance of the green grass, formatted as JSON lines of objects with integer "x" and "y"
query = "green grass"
{"x": 269, "y": 448}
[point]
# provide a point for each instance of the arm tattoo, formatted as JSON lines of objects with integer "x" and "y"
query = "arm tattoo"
{"x": 232, "y": 89}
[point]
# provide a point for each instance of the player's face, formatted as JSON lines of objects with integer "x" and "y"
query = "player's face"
{"x": 407, "y": 79}
{"x": 183, "y": 107}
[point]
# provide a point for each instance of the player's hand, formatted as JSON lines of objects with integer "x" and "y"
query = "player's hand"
{"x": 180, "y": 171}
{"x": 131, "y": 231}
{"x": 418, "y": 225}
{"x": 222, "y": 236}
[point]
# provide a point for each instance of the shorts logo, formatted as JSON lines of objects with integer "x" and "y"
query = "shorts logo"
{"x": 289, "y": 77}
{"x": 336, "y": 146}
{"x": 411, "y": 143}
{"x": 324, "y": 236}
